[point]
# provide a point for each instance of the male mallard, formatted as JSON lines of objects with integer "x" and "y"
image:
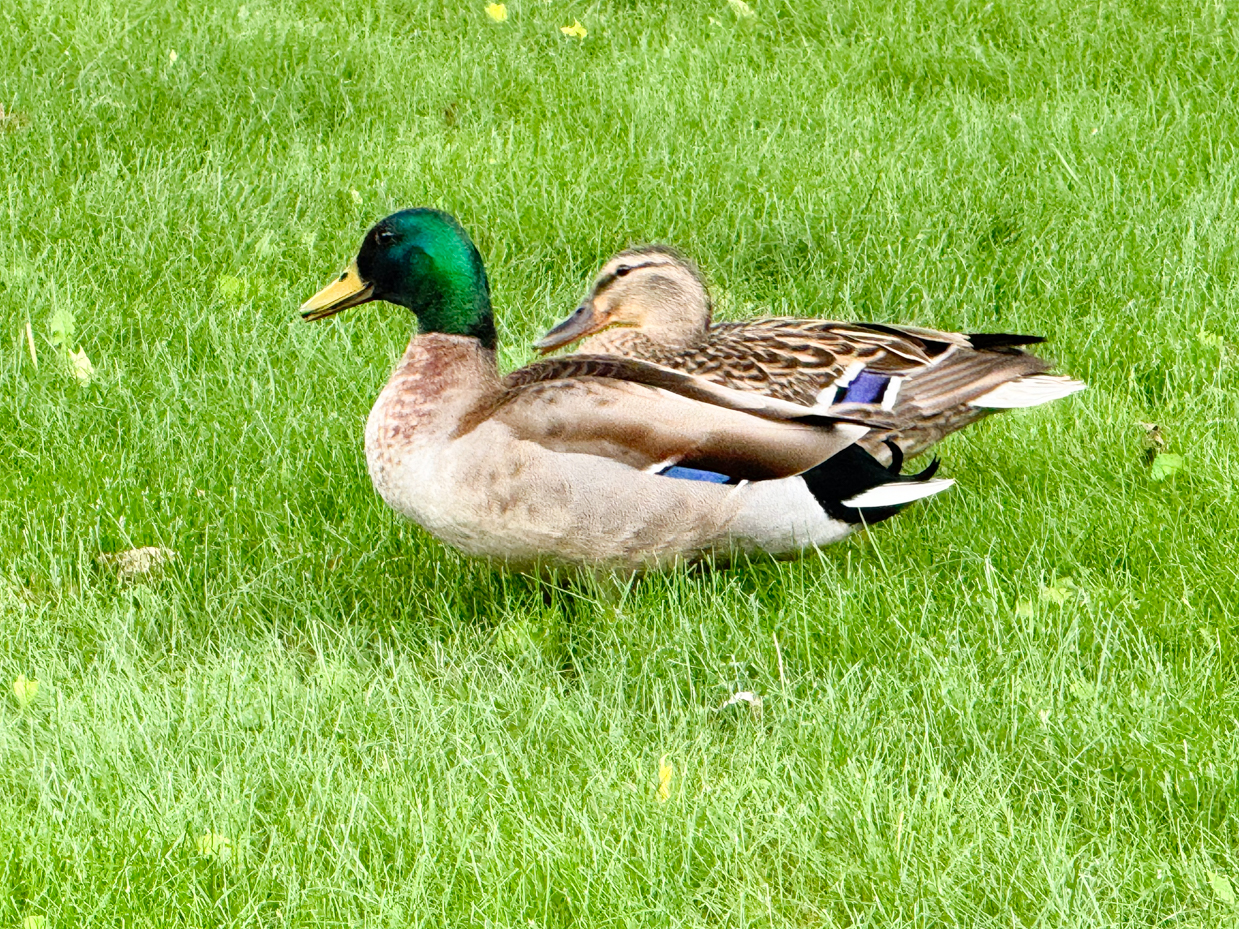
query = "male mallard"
{"x": 604, "y": 462}
{"x": 650, "y": 303}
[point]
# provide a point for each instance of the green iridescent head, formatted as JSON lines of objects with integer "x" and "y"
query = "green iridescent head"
{"x": 421, "y": 259}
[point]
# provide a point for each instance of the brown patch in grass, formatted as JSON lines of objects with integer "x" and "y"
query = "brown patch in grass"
{"x": 11, "y": 119}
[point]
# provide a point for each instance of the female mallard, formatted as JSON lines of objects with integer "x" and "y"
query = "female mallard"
{"x": 650, "y": 303}
{"x": 603, "y": 462}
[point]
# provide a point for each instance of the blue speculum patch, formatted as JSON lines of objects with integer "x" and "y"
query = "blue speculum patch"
{"x": 695, "y": 474}
{"x": 865, "y": 388}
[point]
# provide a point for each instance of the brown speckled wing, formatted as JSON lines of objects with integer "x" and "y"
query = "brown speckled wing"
{"x": 795, "y": 360}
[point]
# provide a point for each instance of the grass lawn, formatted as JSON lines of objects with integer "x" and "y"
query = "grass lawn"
{"x": 1012, "y": 706}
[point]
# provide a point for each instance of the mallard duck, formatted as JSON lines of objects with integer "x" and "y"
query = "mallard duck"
{"x": 597, "y": 461}
{"x": 650, "y": 303}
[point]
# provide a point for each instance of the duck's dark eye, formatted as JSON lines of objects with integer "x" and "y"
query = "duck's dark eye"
{"x": 622, "y": 270}
{"x": 384, "y": 237}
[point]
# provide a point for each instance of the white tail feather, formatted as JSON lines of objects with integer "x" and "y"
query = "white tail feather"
{"x": 898, "y": 493}
{"x": 1032, "y": 390}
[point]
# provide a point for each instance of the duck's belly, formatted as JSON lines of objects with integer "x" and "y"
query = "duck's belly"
{"x": 491, "y": 495}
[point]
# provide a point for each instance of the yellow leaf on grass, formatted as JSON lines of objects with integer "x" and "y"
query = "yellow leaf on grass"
{"x": 62, "y": 325}
{"x": 1165, "y": 465}
{"x": 25, "y": 690}
{"x": 83, "y": 370}
{"x": 497, "y": 11}
{"x": 34, "y": 356}
{"x": 1222, "y": 889}
{"x": 1062, "y": 590}
{"x": 229, "y": 286}
{"x": 575, "y": 31}
{"x": 664, "y": 779}
{"x": 213, "y": 845}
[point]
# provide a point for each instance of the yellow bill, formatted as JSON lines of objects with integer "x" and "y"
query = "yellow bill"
{"x": 345, "y": 291}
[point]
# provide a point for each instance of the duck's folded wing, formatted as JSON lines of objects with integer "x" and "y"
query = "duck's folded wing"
{"x": 907, "y": 371}
{"x": 804, "y": 361}
{"x": 651, "y": 428}
{"x": 693, "y": 387}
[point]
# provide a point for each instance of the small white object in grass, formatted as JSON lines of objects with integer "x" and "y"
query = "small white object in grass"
{"x": 172, "y": 56}
{"x": 134, "y": 563}
{"x": 83, "y": 370}
{"x": 742, "y": 9}
{"x": 748, "y": 697}
{"x": 356, "y": 196}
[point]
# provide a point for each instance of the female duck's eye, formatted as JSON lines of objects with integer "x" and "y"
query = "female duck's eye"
{"x": 622, "y": 270}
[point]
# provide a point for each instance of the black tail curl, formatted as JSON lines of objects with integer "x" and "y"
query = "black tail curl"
{"x": 853, "y": 471}
{"x": 896, "y": 464}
